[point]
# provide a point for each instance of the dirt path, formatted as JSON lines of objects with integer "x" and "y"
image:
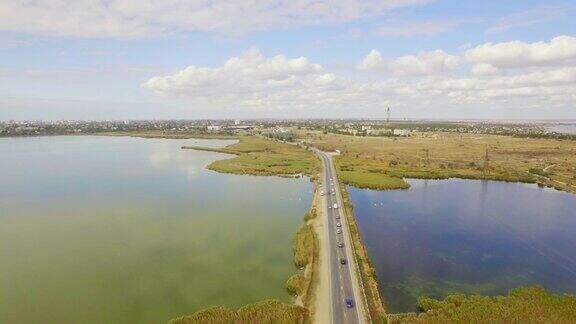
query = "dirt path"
{"x": 321, "y": 311}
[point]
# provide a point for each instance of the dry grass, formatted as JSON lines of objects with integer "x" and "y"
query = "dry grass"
{"x": 268, "y": 311}
{"x": 444, "y": 155}
{"x": 522, "y": 305}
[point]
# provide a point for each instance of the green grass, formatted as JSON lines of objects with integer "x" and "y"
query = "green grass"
{"x": 296, "y": 285}
{"x": 261, "y": 156}
{"x": 371, "y": 180}
{"x": 303, "y": 246}
{"x": 522, "y": 305}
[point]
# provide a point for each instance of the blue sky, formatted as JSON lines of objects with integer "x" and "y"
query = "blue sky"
{"x": 128, "y": 60}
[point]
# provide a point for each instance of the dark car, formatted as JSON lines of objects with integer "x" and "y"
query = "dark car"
{"x": 349, "y": 302}
{"x": 342, "y": 261}
{"x": 340, "y": 244}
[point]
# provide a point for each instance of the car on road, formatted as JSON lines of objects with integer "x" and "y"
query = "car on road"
{"x": 349, "y": 302}
{"x": 338, "y": 231}
{"x": 340, "y": 244}
{"x": 337, "y": 216}
{"x": 333, "y": 193}
{"x": 342, "y": 261}
{"x": 329, "y": 207}
{"x": 335, "y": 206}
{"x": 321, "y": 192}
{"x": 338, "y": 225}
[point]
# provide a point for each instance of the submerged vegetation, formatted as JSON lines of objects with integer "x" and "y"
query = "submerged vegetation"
{"x": 522, "y": 305}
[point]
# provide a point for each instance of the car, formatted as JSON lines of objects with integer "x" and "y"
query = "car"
{"x": 338, "y": 224}
{"x": 342, "y": 261}
{"x": 321, "y": 192}
{"x": 329, "y": 207}
{"x": 338, "y": 231}
{"x": 340, "y": 244}
{"x": 337, "y": 216}
{"x": 349, "y": 302}
{"x": 333, "y": 193}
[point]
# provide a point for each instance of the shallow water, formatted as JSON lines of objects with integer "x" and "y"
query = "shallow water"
{"x": 129, "y": 230}
{"x": 468, "y": 236}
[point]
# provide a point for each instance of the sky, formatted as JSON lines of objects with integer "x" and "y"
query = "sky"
{"x": 196, "y": 59}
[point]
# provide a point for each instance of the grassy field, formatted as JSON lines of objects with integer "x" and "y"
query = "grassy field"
{"x": 261, "y": 156}
{"x": 381, "y": 163}
{"x": 522, "y": 305}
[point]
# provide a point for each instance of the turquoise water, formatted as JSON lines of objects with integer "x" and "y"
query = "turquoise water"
{"x": 129, "y": 230}
{"x": 483, "y": 237}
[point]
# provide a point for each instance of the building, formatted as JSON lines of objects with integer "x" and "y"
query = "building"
{"x": 214, "y": 128}
{"x": 401, "y": 132}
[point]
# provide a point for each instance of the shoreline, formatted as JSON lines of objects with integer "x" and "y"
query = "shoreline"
{"x": 303, "y": 284}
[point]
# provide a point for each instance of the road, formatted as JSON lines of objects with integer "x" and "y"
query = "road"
{"x": 343, "y": 283}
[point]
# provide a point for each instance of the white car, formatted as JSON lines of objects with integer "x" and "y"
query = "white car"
{"x": 338, "y": 224}
{"x": 338, "y": 231}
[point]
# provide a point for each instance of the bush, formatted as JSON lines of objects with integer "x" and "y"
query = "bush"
{"x": 303, "y": 246}
{"x": 296, "y": 285}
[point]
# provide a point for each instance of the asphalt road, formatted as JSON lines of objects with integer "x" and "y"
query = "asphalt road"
{"x": 341, "y": 282}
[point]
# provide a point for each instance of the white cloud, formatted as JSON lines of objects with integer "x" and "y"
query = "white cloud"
{"x": 484, "y": 69}
{"x": 255, "y": 83}
{"x": 145, "y": 18}
{"x": 416, "y": 28}
{"x": 560, "y": 50}
{"x": 428, "y": 63}
{"x": 252, "y": 80}
{"x": 530, "y": 17}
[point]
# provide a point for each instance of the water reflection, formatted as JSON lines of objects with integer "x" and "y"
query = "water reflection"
{"x": 444, "y": 236}
{"x": 129, "y": 230}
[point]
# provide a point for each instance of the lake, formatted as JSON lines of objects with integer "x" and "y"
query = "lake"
{"x": 468, "y": 236}
{"x": 131, "y": 230}
{"x": 562, "y": 128}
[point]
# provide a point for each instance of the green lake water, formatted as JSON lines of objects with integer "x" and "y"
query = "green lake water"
{"x": 129, "y": 230}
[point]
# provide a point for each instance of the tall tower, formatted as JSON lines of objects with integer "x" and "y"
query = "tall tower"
{"x": 388, "y": 115}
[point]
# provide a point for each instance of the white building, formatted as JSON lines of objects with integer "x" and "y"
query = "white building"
{"x": 214, "y": 128}
{"x": 401, "y": 132}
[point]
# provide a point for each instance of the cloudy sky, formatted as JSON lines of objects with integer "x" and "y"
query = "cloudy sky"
{"x": 158, "y": 59}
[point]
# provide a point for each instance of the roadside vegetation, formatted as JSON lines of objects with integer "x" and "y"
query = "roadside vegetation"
{"x": 366, "y": 270}
{"x": 522, "y": 305}
{"x": 262, "y": 156}
{"x": 382, "y": 163}
{"x": 267, "y": 311}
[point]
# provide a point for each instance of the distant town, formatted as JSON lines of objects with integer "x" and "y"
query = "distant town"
{"x": 392, "y": 128}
